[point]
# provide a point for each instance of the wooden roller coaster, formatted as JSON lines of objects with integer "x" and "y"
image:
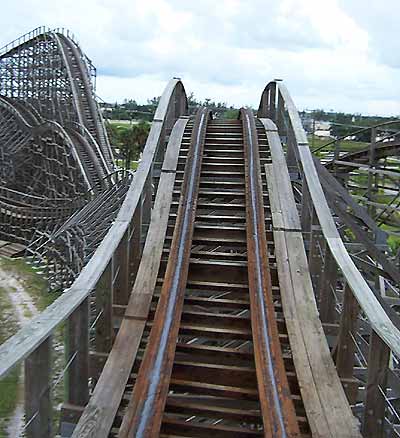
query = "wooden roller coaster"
{"x": 237, "y": 288}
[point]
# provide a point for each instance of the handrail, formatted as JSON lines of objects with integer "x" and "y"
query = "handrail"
{"x": 33, "y": 334}
{"x": 23, "y": 38}
{"x": 391, "y": 122}
{"x": 379, "y": 320}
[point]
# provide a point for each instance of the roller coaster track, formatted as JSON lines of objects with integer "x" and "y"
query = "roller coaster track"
{"x": 219, "y": 290}
{"x": 55, "y": 155}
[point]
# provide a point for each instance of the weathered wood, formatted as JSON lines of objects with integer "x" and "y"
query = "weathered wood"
{"x": 368, "y": 302}
{"x": 307, "y": 211}
{"x": 327, "y": 288}
{"x": 104, "y": 300}
{"x": 275, "y": 204}
{"x": 38, "y": 408}
{"x": 122, "y": 263}
{"x": 327, "y": 409}
{"x": 290, "y": 216}
{"x": 77, "y": 350}
{"x": 272, "y": 102}
{"x": 280, "y": 114}
{"x": 279, "y": 417}
{"x": 314, "y": 253}
{"x": 135, "y": 243}
{"x": 374, "y": 412}
{"x": 345, "y": 348}
{"x": 99, "y": 415}
{"x": 19, "y": 346}
{"x": 147, "y": 202}
{"x": 377, "y": 316}
{"x": 144, "y": 413}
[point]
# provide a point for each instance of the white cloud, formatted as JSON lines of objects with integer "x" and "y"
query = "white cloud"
{"x": 331, "y": 53}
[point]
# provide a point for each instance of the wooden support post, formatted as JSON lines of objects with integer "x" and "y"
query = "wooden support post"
{"x": 374, "y": 414}
{"x": 336, "y": 156}
{"x": 272, "y": 102}
{"x": 306, "y": 211}
{"x": 265, "y": 102}
{"x": 280, "y": 116}
{"x": 38, "y": 408}
{"x": 310, "y": 225}
{"x": 315, "y": 256}
{"x": 104, "y": 300}
{"x": 77, "y": 390}
{"x": 77, "y": 376}
{"x": 122, "y": 284}
{"x": 327, "y": 287}
{"x": 291, "y": 153}
{"x": 372, "y": 159}
{"x": 345, "y": 345}
{"x": 135, "y": 243}
{"x": 177, "y": 105}
{"x": 147, "y": 203}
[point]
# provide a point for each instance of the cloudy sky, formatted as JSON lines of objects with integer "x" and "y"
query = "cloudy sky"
{"x": 339, "y": 54}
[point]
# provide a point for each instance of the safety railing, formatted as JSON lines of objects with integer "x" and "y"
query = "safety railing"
{"x": 335, "y": 274}
{"x": 23, "y": 39}
{"x": 105, "y": 280}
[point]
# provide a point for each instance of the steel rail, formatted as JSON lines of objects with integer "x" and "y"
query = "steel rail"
{"x": 149, "y": 396}
{"x": 277, "y": 408}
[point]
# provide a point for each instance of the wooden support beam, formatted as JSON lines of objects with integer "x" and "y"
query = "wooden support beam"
{"x": 327, "y": 287}
{"x": 374, "y": 411}
{"x": 122, "y": 287}
{"x": 279, "y": 116}
{"x": 104, "y": 300}
{"x": 272, "y": 102}
{"x": 77, "y": 351}
{"x": 147, "y": 202}
{"x": 135, "y": 243}
{"x": 314, "y": 254}
{"x": 345, "y": 345}
{"x": 38, "y": 408}
{"x": 306, "y": 209}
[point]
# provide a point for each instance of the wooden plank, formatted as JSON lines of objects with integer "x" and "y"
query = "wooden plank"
{"x": 327, "y": 288}
{"x": 345, "y": 346}
{"x": 374, "y": 411}
{"x": 38, "y": 409}
{"x": 31, "y": 335}
{"x": 77, "y": 378}
{"x": 122, "y": 286}
{"x": 99, "y": 415}
{"x": 308, "y": 388}
{"x": 275, "y": 204}
{"x": 171, "y": 156}
{"x": 365, "y": 297}
{"x": 327, "y": 409}
{"x": 104, "y": 300}
{"x": 283, "y": 183}
{"x": 377, "y": 316}
{"x": 330, "y": 391}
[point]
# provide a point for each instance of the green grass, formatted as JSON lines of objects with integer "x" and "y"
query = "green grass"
{"x": 345, "y": 145}
{"x": 9, "y": 384}
{"x": 37, "y": 288}
{"x": 392, "y": 241}
{"x": 134, "y": 164}
{"x": 33, "y": 282}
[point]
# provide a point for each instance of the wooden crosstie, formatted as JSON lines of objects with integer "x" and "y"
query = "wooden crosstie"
{"x": 234, "y": 286}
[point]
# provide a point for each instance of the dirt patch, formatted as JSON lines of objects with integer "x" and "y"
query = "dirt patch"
{"x": 24, "y": 309}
